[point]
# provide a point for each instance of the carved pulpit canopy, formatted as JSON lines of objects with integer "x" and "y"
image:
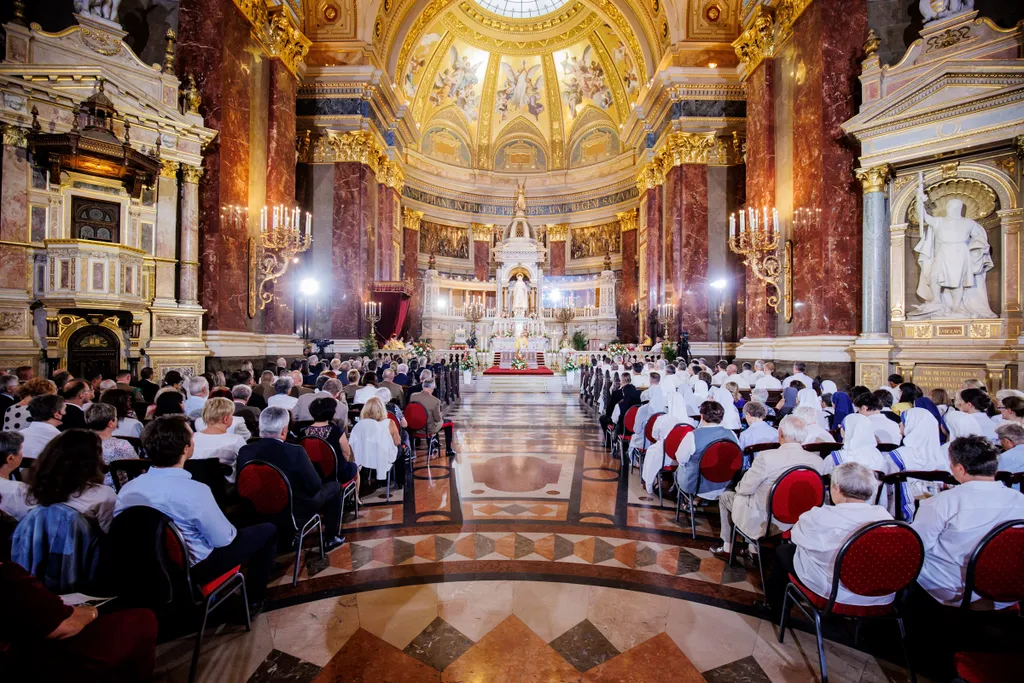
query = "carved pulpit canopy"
{"x": 94, "y": 149}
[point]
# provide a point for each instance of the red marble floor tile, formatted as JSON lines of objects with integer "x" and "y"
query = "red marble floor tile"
{"x": 365, "y": 658}
{"x": 511, "y": 653}
{"x": 657, "y": 659}
{"x": 433, "y": 495}
{"x": 384, "y": 552}
{"x": 341, "y": 557}
{"x": 598, "y": 496}
{"x": 426, "y": 549}
{"x": 712, "y": 568}
{"x": 434, "y": 518}
{"x": 626, "y": 554}
{"x": 668, "y": 559}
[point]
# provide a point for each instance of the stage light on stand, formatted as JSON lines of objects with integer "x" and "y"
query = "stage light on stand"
{"x": 309, "y": 286}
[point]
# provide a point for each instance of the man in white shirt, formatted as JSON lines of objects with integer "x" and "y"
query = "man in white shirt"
{"x": 768, "y": 380}
{"x": 952, "y": 523}
{"x": 748, "y": 374}
{"x": 798, "y": 374}
{"x": 747, "y": 506}
{"x": 759, "y": 431}
{"x": 47, "y": 412}
{"x": 719, "y": 378}
{"x": 886, "y": 431}
{"x": 12, "y": 491}
{"x": 281, "y": 397}
{"x": 198, "y": 393}
{"x": 821, "y": 532}
{"x": 732, "y": 375}
{"x": 893, "y": 387}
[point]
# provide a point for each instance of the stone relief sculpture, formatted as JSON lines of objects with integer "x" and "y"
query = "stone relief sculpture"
{"x": 940, "y": 9}
{"x": 955, "y": 256}
{"x": 105, "y": 9}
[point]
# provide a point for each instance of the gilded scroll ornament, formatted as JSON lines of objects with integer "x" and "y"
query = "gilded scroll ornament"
{"x": 191, "y": 96}
{"x": 15, "y": 136}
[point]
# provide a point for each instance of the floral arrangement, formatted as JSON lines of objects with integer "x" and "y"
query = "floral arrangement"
{"x": 467, "y": 363}
{"x": 617, "y": 350}
{"x": 519, "y": 362}
{"x": 570, "y": 365}
{"x": 508, "y": 333}
{"x": 421, "y": 348}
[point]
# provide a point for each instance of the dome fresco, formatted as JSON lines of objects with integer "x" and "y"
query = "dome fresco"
{"x": 553, "y": 98}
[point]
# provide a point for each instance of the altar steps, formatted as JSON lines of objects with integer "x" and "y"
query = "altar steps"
{"x": 518, "y": 384}
{"x": 540, "y": 359}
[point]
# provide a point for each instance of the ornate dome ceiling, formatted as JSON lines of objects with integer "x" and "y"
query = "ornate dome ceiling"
{"x": 531, "y": 94}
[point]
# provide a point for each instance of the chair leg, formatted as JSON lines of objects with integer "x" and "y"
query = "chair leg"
{"x": 298, "y": 561}
{"x": 821, "y": 647}
{"x": 906, "y": 653}
{"x": 194, "y": 668}
{"x": 856, "y": 631}
{"x": 785, "y": 615}
{"x": 388, "y": 497}
{"x": 245, "y": 605}
{"x": 320, "y": 530}
{"x": 732, "y": 545}
{"x": 693, "y": 518}
{"x": 760, "y": 564}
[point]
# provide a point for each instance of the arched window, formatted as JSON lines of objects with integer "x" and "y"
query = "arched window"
{"x": 95, "y": 220}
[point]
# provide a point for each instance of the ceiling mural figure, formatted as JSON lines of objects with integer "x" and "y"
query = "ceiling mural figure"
{"x": 523, "y": 87}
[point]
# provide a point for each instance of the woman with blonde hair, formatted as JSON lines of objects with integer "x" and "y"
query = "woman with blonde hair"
{"x": 737, "y": 399}
{"x": 216, "y": 438}
{"x": 17, "y": 415}
{"x": 374, "y": 441}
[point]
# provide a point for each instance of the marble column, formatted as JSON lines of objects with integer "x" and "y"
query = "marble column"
{"x": 385, "y": 220}
{"x": 557, "y": 235}
{"x": 354, "y": 238}
{"x": 411, "y": 247}
{"x": 829, "y": 38}
{"x": 1011, "y": 221}
{"x": 14, "y": 227}
{"x": 875, "y": 251}
{"x": 279, "y": 314}
{"x": 481, "y": 251}
{"x": 188, "y": 252}
{"x": 686, "y": 225}
{"x": 760, "y": 320}
{"x": 655, "y": 248}
{"x": 166, "y": 233}
{"x": 627, "y": 291}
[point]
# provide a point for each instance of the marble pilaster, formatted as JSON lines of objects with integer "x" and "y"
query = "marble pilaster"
{"x": 556, "y": 266}
{"x": 655, "y": 248}
{"x": 188, "y": 265}
{"x": 385, "y": 223}
{"x": 14, "y": 227}
{"x": 760, "y": 320}
{"x": 1011, "y": 221}
{"x": 411, "y": 249}
{"x": 875, "y": 252}
{"x": 353, "y": 247}
{"x": 481, "y": 259}
{"x": 627, "y": 292}
{"x": 166, "y": 237}
{"x": 686, "y": 206}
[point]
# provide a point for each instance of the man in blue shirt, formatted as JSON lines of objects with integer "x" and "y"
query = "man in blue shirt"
{"x": 1011, "y": 438}
{"x": 214, "y": 545}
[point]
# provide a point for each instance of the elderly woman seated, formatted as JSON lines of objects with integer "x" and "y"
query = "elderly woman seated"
{"x": 820, "y": 533}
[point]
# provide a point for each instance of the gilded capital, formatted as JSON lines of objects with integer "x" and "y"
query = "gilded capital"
{"x": 627, "y": 220}
{"x": 755, "y": 43}
{"x": 15, "y": 136}
{"x": 558, "y": 233}
{"x": 874, "y": 179}
{"x": 411, "y": 219}
{"x": 651, "y": 175}
{"x": 169, "y": 169}
{"x": 359, "y": 146}
{"x": 390, "y": 174}
{"x": 285, "y": 40}
{"x": 191, "y": 174}
{"x": 482, "y": 232}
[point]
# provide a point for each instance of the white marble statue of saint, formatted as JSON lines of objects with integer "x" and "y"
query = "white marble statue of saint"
{"x": 933, "y": 10}
{"x": 955, "y": 257}
{"x": 520, "y": 297}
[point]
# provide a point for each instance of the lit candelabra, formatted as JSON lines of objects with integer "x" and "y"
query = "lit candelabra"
{"x": 474, "y": 311}
{"x": 667, "y": 316}
{"x": 565, "y": 314}
{"x": 757, "y": 241}
{"x": 283, "y": 233}
{"x": 371, "y": 313}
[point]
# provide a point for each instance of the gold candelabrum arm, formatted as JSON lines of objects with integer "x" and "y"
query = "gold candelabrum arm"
{"x": 271, "y": 250}
{"x": 759, "y": 248}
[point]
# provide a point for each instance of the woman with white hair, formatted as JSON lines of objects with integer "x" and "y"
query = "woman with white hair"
{"x": 859, "y": 445}
{"x": 375, "y": 440}
{"x": 815, "y": 432}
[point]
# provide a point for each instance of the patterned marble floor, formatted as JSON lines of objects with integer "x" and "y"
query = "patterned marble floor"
{"x": 531, "y": 556}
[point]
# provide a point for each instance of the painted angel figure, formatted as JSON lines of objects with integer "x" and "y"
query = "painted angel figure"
{"x": 573, "y": 95}
{"x": 519, "y": 83}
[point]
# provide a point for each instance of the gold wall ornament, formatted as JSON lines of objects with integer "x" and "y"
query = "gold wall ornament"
{"x": 950, "y": 170}
{"x": 871, "y": 47}
{"x": 627, "y": 220}
{"x": 651, "y": 175}
{"x": 191, "y": 174}
{"x": 686, "y": 148}
{"x": 482, "y": 232}
{"x": 285, "y": 40}
{"x": 411, "y": 219}
{"x": 169, "y": 51}
{"x": 558, "y": 233}
{"x": 191, "y": 96}
{"x": 757, "y": 241}
{"x": 390, "y": 174}
{"x": 755, "y": 43}
{"x": 359, "y": 146}
{"x": 979, "y": 199}
{"x": 169, "y": 169}
{"x": 15, "y": 136}
{"x": 875, "y": 178}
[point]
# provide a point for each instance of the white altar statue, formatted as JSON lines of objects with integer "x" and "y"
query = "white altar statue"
{"x": 954, "y": 256}
{"x": 520, "y": 297}
{"x": 932, "y": 10}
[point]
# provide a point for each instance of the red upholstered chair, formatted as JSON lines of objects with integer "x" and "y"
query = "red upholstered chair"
{"x": 416, "y": 418}
{"x": 672, "y": 441}
{"x": 881, "y": 558}
{"x": 798, "y": 490}
{"x": 648, "y": 440}
{"x": 208, "y": 596}
{"x": 719, "y": 463}
{"x": 629, "y": 424}
{"x": 265, "y": 486}
{"x": 996, "y": 568}
{"x": 123, "y": 471}
{"x": 325, "y": 460}
{"x": 988, "y": 667}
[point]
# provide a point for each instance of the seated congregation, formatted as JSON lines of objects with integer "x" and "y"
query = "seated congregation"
{"x": 854, "y": 504}
{"x": 179, "y": 496}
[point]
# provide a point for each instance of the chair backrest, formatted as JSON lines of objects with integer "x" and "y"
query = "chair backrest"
{"x": 212, "y": 472}
{"x": 822, "y": 449}
{"x": 888, "y": 447}
{"x": 996, "y": 568}
{"x": 720, "y": 461}
{"x": 416, "y": 417}
{"x": 394, "y": 418}
{"x": 630, "y": 419}
{"x": 674, "y": 438}
{"x": 24, "y": 469}
{"x": 878, "y": 559}
{"x": 322, "y": 455}
{"x": 133, "y": 563}
{"x": 135, "y": 441}
{"x": 798, "y": 490}
{"x": 175, "y": 558}
{"x": 265, "y": 486}
{"x": 649, "y": 427}
{"x": 758, "y": 447}
{"x": 123, "y": 471}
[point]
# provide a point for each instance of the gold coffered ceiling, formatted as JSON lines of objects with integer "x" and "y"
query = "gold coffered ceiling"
{"x": 523, "y": 95}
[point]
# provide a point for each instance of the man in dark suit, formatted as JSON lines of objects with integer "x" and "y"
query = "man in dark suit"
{"x": 240, "y": 394}
{"x": 256, "y": 398}
{"x": 435, "y": 422}
{"x": 8, "y": 390}
{"x": 416, "y": 386}
{"x": 310, "y": 495}
{"x": 402, "y": 375}
{"x": 397, "y": 392}
{"x": 147, "y": 386}
{"x": 124, "y": 383}
{"x": 630, "y": 398}
{"x": 76, "y": 394}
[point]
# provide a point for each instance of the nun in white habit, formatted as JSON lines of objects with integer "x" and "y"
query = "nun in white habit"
{"x": 691, "y": 406}
{"x": 919, "y": 451}
{"x": 808, "y": 397}
{"x": 859, "y": 445}
{"x": 657, "y": 402}
{"x": 959, "y": 424}
{"x": 655, "y": 458}
{"x": 723, "y": 397}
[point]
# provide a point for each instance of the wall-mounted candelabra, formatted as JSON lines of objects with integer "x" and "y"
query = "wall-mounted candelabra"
{"x": 757, "y": 241}
{"x": 283, "y": 234}
{"x": 371, "y": 313}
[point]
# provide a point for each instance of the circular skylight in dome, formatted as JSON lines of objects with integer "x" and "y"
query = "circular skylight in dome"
{"x": 522, "y": 9}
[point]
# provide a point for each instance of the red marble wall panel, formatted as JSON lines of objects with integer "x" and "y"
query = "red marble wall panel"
{"x": 279, "y": 315}
{"x": 353, "y": 245}
{"x": 14, "y": 217}
{"x": 557, "y": 264}
{"x": 692, "y": 278}
{"x": 627, "y": 289}
{"x": 411, "y": 249}
{"x": 385, "y": 225}
{"x": 760, "y": 184}
{"x": 482, "y": 260}
{"x": 214, "y": 45}
{"x": 655, "y": 248}
{"x": 826, "y": 263}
